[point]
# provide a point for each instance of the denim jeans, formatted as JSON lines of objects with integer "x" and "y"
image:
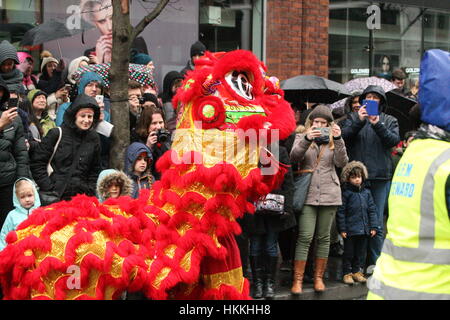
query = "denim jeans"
{"x": 380, "y": 191}
{"x": 354, "y": 248}
{"x": 261, "y": 244}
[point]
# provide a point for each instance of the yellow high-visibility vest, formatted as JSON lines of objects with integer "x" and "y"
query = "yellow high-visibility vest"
{"x": 415, "y": 260}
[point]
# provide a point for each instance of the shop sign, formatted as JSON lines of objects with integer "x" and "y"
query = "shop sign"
{"x": 359, "y": 71}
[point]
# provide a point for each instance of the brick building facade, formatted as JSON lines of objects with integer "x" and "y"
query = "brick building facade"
{"x": 297, "y": 37}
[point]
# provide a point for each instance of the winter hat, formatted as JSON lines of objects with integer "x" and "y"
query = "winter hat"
{"x": 73, "y": 67}
{"x": 8, "y": 51}
{"x": 47, "y": 60}
{"x": 45, "y": 54}
{"x": 151, "y": 97}
{"x": 321, "y": 111}
{"x": 198, "y": 48}
{"x": 33, "y": 94}
{"x": 141, "y": 58}
{"x": 23, "y": 56}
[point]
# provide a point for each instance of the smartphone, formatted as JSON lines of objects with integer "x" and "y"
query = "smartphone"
{"x": 13, "y": 102}
{"x": 324, "y": 131}
{"x": 371, "y": 107}
{"x": 99, "y": 98}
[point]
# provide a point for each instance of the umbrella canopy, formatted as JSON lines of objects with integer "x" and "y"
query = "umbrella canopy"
{"x": 360, "y": 84}
{"x": 398, "y": 101}
{"x": 48, "y": 31}
{"x": 311, "y": 88}
{"x": 137, "y": 72}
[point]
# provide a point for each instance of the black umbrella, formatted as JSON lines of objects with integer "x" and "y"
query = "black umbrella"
{"x": 405, "y": 122}
{"x": 398, "y": 101}
{"x": 50, "y": 30}
{"x": 399, "y": 107}
{"x": 311, "y": 88}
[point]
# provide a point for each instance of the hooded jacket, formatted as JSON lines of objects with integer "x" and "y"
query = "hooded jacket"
{"x": 104, "y": 180}
{"x": 14, "y": 78}
{"x": 371, "y": 144}
{"x": 146, "y": 179}
{"x": 13, "y": 151}
{"x": 358, "y": 213}
{"x": 167, "y": 95}
{"x": 19, "y": 214}
{"x": 73, "y": 141}
{"x": 84, "y": 81}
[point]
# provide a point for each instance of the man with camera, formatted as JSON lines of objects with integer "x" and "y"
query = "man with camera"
{"x": 14, "y": 162}
{"x": 369, "y": 135}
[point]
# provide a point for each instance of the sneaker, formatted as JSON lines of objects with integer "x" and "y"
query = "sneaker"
{"x": 348, "y": 279}
{"x": 358, "y": 277}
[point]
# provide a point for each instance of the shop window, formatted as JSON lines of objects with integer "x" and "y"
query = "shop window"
{"x": 226, "y": 24}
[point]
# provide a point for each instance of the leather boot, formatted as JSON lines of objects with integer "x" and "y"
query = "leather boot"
{"x": 299, "y": 271}
{"x": 272, "y": 266}
{"x": 257, "y": 281}
{"x": 320, "y": 266}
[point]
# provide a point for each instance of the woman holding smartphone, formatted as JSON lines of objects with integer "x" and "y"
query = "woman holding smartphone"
{"x": 319, "y": 148}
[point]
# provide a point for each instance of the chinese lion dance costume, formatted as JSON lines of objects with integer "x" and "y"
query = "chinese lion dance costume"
{"x": 176, "y": 241}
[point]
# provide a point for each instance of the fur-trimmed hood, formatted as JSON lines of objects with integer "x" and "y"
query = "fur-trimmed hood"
{"x": 349, "y": 167}
{"x": 104, "y": 179}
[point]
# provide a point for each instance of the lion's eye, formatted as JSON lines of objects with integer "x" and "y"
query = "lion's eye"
{"x": 239, "y": 82}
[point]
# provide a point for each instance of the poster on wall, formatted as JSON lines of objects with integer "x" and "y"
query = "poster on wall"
{"x": 167, "y": 39}
{"x": 385, "y": 64}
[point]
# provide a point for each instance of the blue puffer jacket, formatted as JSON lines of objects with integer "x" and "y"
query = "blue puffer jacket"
{"x": 19, "y": 214}
{"x": 357, "y": 214}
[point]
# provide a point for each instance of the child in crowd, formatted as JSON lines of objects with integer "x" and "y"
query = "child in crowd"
{"x": 25, "y": 199}
{"x": 356, "y": 220}
{"x": 137, "y": 166}
{"x": 113, "y": 184}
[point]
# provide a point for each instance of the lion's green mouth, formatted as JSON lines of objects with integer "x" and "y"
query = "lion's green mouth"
{"x": 234, "y": 113}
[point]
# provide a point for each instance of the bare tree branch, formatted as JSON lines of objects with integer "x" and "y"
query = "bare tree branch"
{"x": 149, "y": 18}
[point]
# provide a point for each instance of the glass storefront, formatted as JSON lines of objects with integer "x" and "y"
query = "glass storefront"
{"x": 227, "y": 25}
{"x": 17, "y": 17}
{"x": 403, "y": 34}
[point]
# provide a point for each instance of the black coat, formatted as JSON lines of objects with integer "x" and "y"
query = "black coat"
{"x": 371, "y": 144}
{"x": 358, "y": 213}
{"x": 261, "y": 224}
{"x": 13, "y": 151}
{"x": 73, "y": 141}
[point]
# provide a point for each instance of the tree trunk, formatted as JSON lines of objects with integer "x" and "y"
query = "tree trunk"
{"x": 119, "y": 85}
{"x": 123, "y": 36}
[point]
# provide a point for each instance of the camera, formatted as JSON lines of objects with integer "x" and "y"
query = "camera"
{"x": 324, "y": 131}
{"x": 163, "y": 135}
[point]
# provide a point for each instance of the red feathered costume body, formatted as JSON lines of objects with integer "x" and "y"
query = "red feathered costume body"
{"x": 177, "y": 240}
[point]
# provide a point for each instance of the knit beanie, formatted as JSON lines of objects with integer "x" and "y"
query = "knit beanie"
{"x": 141, "y": 58}
{"x": 47, "y": 60}
{"x": 198, "y": 48}
{"x": 321, "y": 111}
{"x": 8, "y": 51}
{"x": 23, "y": 56}
{"x": 152, "y": 98}
{"x": 73, "y": 67}
{"x": 33, "y": 94}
